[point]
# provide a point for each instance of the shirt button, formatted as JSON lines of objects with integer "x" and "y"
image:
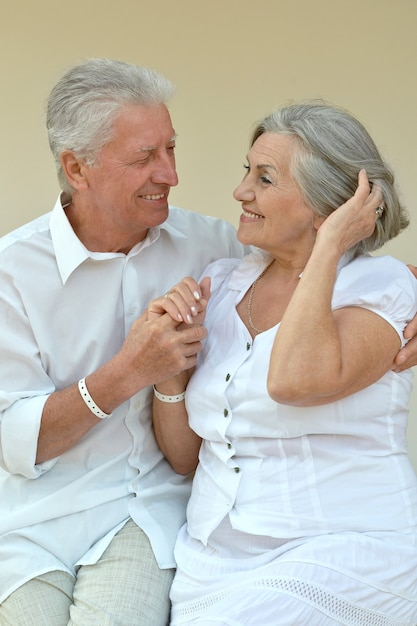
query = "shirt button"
{"x": 227, "y": 377}
{"x": 237, "y": 470}
{"x": 225, "y": 412}
{"x": 229, "y": 445}
{"x": 248, "y": 346}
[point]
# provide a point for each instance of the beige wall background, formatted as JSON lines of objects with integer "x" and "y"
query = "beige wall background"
{"x": 232, "y": 61}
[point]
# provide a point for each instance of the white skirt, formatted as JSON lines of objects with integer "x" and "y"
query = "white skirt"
{"x": 354, "y": 579}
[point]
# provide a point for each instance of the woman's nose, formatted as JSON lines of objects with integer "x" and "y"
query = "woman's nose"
{"x": 243, "y": 192}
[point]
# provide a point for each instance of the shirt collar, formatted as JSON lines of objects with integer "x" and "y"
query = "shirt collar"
{"x": 70, "y": 252}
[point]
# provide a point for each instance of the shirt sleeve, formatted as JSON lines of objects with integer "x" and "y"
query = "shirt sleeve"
{"x": 24, "y": 386}
{"x": 19, "y": 437}
{"x": 382, "y": 285}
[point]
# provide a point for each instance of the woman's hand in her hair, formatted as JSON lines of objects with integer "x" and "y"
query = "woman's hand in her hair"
{"x": 355, "y": 220}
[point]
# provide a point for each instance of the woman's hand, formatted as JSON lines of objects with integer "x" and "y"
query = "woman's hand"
{"x": 355, "y": 220}
{"x": 185, "y": 302}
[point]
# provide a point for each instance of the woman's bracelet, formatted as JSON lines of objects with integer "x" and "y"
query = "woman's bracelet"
{"x": 82, "y": 388}
{"x": 178, "y": 398}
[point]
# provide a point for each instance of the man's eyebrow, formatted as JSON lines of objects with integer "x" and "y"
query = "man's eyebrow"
{"x": 153, "y": 148}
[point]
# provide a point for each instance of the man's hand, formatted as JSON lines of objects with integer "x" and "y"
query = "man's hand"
{"x": 407, "y": 356}
{"x": 157, "y": 349}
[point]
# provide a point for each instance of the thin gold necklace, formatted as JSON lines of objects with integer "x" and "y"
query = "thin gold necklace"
{"x": 251, "y": 292}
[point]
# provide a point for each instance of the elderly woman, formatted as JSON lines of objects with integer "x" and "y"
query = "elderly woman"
{"x": 304, "y": 502}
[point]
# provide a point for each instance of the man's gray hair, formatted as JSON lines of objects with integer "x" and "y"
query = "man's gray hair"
{"x": 333, "y": 147}
{"x": 86, "y": 100}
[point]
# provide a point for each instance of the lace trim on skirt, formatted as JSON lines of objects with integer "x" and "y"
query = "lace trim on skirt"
{"x": 346, "y": 612}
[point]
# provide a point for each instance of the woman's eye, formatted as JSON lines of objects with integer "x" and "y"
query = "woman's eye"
{"x": 263, "y": 179}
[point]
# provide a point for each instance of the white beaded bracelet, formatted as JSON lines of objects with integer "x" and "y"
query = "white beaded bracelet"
{"x": 178, "y": 398}
{"x": 82, "y": 388}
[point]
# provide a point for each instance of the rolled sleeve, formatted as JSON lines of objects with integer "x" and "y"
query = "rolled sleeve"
{"x": 19, "y": 426}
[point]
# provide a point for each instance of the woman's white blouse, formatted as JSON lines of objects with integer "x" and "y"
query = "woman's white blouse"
{"x": 284, "y": 471}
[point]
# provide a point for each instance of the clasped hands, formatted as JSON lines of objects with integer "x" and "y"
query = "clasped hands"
{"x": 185, "y": 303}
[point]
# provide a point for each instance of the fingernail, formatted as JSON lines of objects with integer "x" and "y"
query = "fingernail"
{"x": 196, "y": 295}
{"x": 189, "y": 320}
{"x": 193, "y": 310}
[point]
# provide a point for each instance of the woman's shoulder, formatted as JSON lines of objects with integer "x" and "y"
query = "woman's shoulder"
{"x": 377, "y": 261}
{"x": 379, "y": 271}
{"x": 381, "y": 283}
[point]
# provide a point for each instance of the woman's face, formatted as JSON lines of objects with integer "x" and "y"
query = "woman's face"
{"x": 274, "y": 216}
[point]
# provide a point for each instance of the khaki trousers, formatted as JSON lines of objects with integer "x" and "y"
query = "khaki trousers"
{"x": 124, "y": 588}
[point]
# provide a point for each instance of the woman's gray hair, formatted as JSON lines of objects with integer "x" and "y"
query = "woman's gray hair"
{"x": 84, "y": 103}
{"x": 334, "y": 147}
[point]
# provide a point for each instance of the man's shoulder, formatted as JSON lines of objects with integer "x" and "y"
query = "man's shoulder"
{"x": 25, "y": 232}
{"x": 203, "y": 237}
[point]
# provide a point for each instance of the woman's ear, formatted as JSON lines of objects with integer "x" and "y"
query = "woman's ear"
{"x": 74, "y": 170}
{"x": 318, "y": 221}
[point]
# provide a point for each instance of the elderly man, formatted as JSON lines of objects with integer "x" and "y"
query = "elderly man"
{"x": 89, "y": 507}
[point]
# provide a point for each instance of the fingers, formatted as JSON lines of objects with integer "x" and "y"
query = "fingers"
{"x": 370, "y": 197}
{"x": 363, "y": 189}
{"x": 406, "y": 357}
{"x": 413, "y": 269}
{"x": 182, "y": 346}
{"x": 160, "y": 307}
{"x": 191, "y": 346}
{"x": 160, "y": 348}
{"x": 410, "y": 331}
{"x": 374, "y": 202}
{"x": 205, "y": 288}
{"x": 187, "y": 301}
{"x": 354, "y": 220}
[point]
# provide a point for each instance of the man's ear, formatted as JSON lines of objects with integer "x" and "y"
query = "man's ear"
{"x": 74, "y": 169}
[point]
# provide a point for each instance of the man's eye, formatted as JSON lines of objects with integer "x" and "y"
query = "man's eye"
{"x": 141, "y": 161}
{"x": 264, "y": 179}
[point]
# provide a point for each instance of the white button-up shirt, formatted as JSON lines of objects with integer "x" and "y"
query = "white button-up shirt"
{"x": 64, "y": 312}
{"x": 283, "y": 471}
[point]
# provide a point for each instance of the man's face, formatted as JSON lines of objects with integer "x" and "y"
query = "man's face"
{"x": 127, "y": 188}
